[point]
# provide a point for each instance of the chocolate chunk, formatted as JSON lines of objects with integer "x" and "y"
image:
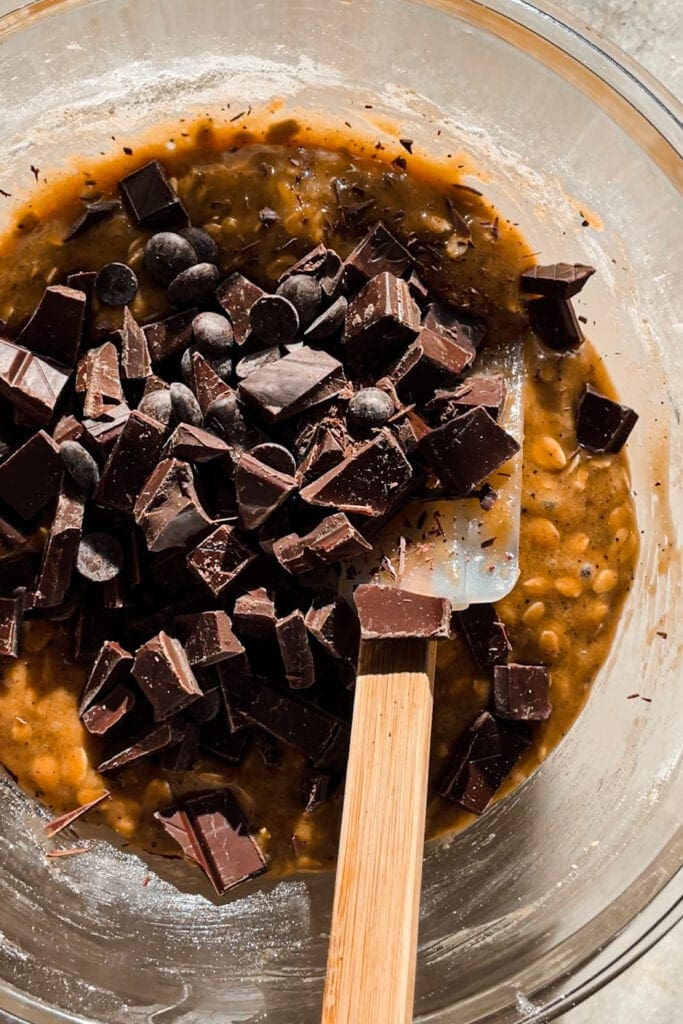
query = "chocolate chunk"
{"x": 206, "y": 384}
{"x": 100, "y": 557}
{"x": 268, "y": 748}
{"x": 380, "y": 321}
{"x": 367, "y": 481}
{"x": 182, "y": 757}
{"x": 112, "y": 666}
{"x": 378, "y": 253}
{"x": 488, "y": 392}
{"x": 254, "y": 360}
{"x": 168, "y": 509}
{"x": 226, "y": 419}
{"x": 237, "y": 295}
{"x": 323, "y": 453}
{"x": 335, "y": 625}
{"x": 521, "y": 692}
{"x": 203, "y": 244}
{"x": 254, "y": 614}
{"x": 163, "y": 671}
{"x": 17, "y": 574}
{"x": 218, "y": 738}
{"x": 56, "y": 328}
{"x": 318, "y": 790}
{"x": 371, "y": 407}
{"x": 482, "y": 760}
{"x": 485, "y": 634}
{"x": 30, "y": 478}
{"x": 295, "y": 383}
{"x": 321, "y": 263}
{"x": 206, "y": 707}
{"x": 390, "y": 613}
{"x": 102, "y": 434}
{"x": 213, "y": 334}
{"x": 11, "y": 614}
{"x": 10, "y": 538}
{"x": 558, "y": 281}
{"x": 97, "y": 378}
{"x": 220, "y": 559}
{"x": 67, "y": 428}
{"x": 33, "y": 385}
{"x": 135, "y": 358}
{"x": 168, "y": 337}
{"x": 194, "y": 444}
{"x": 52, "y": 828}
{"x": 150, "y": 198}
{"x": 132, "y": 459}
{"x": 100, "y": 718}
{"x": 460, "y": 327}
{"x": 466, "y": 450}
{"x": 80, "y": 466}
{"x": 332, "y": 540}
{"x": 260, "y": 490}
{"x": 306, "y": 295}
{"x": 92, "y": 214}
{"x": 116, "y": 285}
{"x": 212, "y": 832}
{"x": 184, "y": 406}
{"x": 555, "y": 323}
{"x": 168, "y": 254}
{"x": 159, "y": 739}
{"x": 292, "y": 638}
{"x": 60, "y": 551}
{"x": 194, "y": 285}
{"x": 208, "y": 638}
{"x": 329, "y": 322}
{"x": 602, "y": 425}
{"x": 433, "y": 361}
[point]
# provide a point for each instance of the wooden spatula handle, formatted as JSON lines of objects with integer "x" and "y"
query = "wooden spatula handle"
{"x": 373, "y": 940}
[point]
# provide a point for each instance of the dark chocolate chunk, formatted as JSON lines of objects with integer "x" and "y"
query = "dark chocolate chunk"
{"x": 150, "y": 198}
{"x": 321, "y": 263}
{"x": 194, "y": 444}
{"x": 92, "y": 214}
{"x": 488, "y": 392}
{"x": 30, "y": 478}
{"x": 213, "y": 833}
{"x": 112, "y": 666}
{"x": 379, "y": 252}
{"x": 319, "y": 788}
{"x": 220, "y": 740}
{"x": 33, "y": 385}
{"x": 116, "y": 285}
{"x": 368, "y": 481}
{"x": 329, "y": 322}
{"x": 558, "y": 281}
{"x": 306, "y": 295}
{"x": 433, "y": 361}
{"x": 485, "y": 634}
{"x": 254, "y": 360}
{"x": 466, "y": 450}
{"x": 520, "y": 692}
{"x": 371, "y": 407}
{"x": 237, "y": 295}
{"x": 194, "y": 285}
{"x": 134, "y": 455}
{"x": 460, "y": 327}
{"x": 324, "y": 452}
{"x": 335, "y": 625}
{"x": 159, "y": 739}
{"x": 332, "y": 540}
{"x": 602, "y": 425}
{"x": 390, "y": 613}
{"x": 295, "y": 650}
{"x": 101, "y": 434}
{"x": 380, "y": 321}
{"x": 168, "y": 254}
{"x": 260, "y": 490}
{"x": 97, "y": 379}
{"x": 136, "y": 363}
{"x": 100, "y": 557}
{"x": 203, "y": 244}
{"x": 184, "y": 406}
{"x": 11, "y": 614}
{"x": 555, "y": 323}
{"x": 207, "y": 384}
{"x": 100, "y": 718}
{"x": 163, "y": 671}
{"x": 213, "y": 334}
{"x": 481, "y": 762}
{"x": 67, "y": 428}
{"x": 226, "y": 419}
{"x": 276, "y": 456}
{"x": 254, "y": 614}
{"x": 168, "y": 509}
{"x": 60, "y": 551}
{"x": 182, "y": 757}
{"x": 56, "y": 328}
{"x": 207, "y": 707}
{"x": 274, "y": 319}
{"x": 220, "y": 559}
{"x": 10, "y": 538}
{"x": 208, "y": 638}
{"x": 168, "y": 337}
{"x": 80, "y": 466}
{"x": 295, "y": 383}
{"x": 268, "y": 216}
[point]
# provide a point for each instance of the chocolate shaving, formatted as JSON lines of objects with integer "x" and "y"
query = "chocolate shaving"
{"x": 52, "y": 828}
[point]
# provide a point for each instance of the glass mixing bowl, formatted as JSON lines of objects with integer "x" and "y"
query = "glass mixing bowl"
{"x": 563, "y": 883}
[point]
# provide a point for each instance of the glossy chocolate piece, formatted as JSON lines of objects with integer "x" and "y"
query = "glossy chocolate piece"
{"x": 92, "y": 214}
{"x": 389, "y": 613}
{"x": 558, "y": 280}
{"x": 206, "y": 384}
{"x": 11, "y": 615}
{"x": 485, "y": 391}
{"x": 481, "y": 762}
{"x": 298, "y": 381}
{"x": 520, "y": 692}
{"x": 461, "y": 327}
{"x": 237, "y": 295}
{"x": 169, "y": 337}
{"x": 332, "y": 540}
{"x": 56, "y": 328}
{"x": 164, "y": 674}
{"x": 260, "y": 490}
{"x": 31, "y": 476}
{"x": 208, "y": 638}
{"x": 220, "y": 558}
{"x": 602, "y": 425}
{"x": 102, "y": 716}
{"x": 484, "y": 634}
{"x": 97, "y": 379}
{"x": 335, "y": 625}
{"x": 111, "y": 667}
{"x": 151, "y": 199}
{"x": 33, "y": 385}
{"x": 295, "y": 650}
{"x": 379, "y": 252}
{"x": 159, "y": 739}
{"x": 132, "y": 459}
{"x": 323, "y": 453}
{"x": 101, "y": 435}
{"x": 254, "y": 614}
{"x": 465, "y": 451}
{"x": 194, "y": 444}
{"x": 380, "y": 321}
{"x": 60, "y": 551}
{"x": 136, "y": 362}
{"x": 555, "y": 323}
{"x": 168, "y": 509}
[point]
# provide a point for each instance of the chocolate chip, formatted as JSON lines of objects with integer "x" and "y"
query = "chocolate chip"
{"x": 330, "y": 321}
{"x": 485, "y": 635}
{"x": 255, "y": 360}
{"x": 80, "y": 466}
{"x": 55, "y": 329}
{"x": 274, "y": 319}
{"x": 390, "y": 613}
{"x": 193, "y": 286}
{"x": 305, "y": 294}
{"x": 167, "y": 254}
{"x": 371, "y": 407}
{"x": 30, "y": 478}
{"x": 554, "y": 321}
{"x": 100, "y": 557}
{"x": 157, "y": 405}
{"x": 92, "y": 214}
{"x": 150, "y": 197}
{"x": 213, "y": 334}
{"x": 225, "y": 418}
{"x": 467, "y": 449}
{"x": 184, "y": 406}
{"x": 295, "y": 383}
{"x": 602, "y": 425}
{"x": 223, "y": 369}
{"x": 203, "y": 244}
{"x": 116, "y": 285}
{"x": 276, "y": 456}
{"x": 558, "y": 281}
{"x": 520, "y": 692}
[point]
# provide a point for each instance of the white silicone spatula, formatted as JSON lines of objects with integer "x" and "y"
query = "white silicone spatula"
{"x": 450, "y": 549}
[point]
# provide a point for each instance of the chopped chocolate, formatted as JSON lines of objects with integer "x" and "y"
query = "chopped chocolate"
{"x": 292, "y": 638}
{"x": 487, "y": 392}
{"x": 56, "y": 327}
{"x": 30, "y": 478}
{"x": 163, "y": 671}
{"x": 460, "y": 327}
{"x": 92, "y": 214}
{"x": 254, "y": 614}
{"x": 182, "y": 757}
{"x": 390, "y": 613}
{"x": 268, "y": 747}
{"x": 102, "y": 434}
{"x": 485, "y": 634}
{"x": 368, "y": 481}
{"x": 136, "y": 363}
{"x": 602, "y": 425}
{"x": 335, "y": 625}
{"x": 206, "y": 707}
{"x": 213, "y": 833}
{"x": 555, "y": 323}
{"x": 80, "y": 466}
{"x": 10, "y": 538}
{"x": 170, "y": 336}
{"x": 206, "y": 384}
{"x": 168, "y": 509}
{"x": 332, "y": 540}
{"x": 224, "y": 743}
{"x": 329, "y": 322}
{"x": 11, "y": 614}
{"x": 97, "y": 378}
{"x": 208, "y": 638}
{"x": 276, "y": 456}
{"x": 33, "y": 385}
{"x": 116, "y": 285}
{"x": 379, "y": 252}
{"x": 466, "y": 450}
{"x": 274, "y": 320}
{"x": 306, "y": 295}
{"x": 150, "y": 198}
{"x": 112, "y": 666}
{"x": 482, "y": 760}
{"x": 132, "y": 459}
{"x": 67, "y": 428}
{"x": 433, "y": 361}
{"x": 318, "y": 789}
{"x": 237, "y": 295}
{"x": 324, "y": 452}
{"x": 194, "y": 444}
{"x": 520, "y": 692}
{"x": 226, "y": 419}
{"x": 100, "y": 557}
{"x": 220, "y": 559}
{"x": 161, "y": 738}
{"x": 56, "y": 825}
{"x": 260, "y": 490}
{"x": 557, "y": 281}
{"x": 295, "y": 383}
{"x": 60, "y": 551}
{"x": 380, "y": 321}
{"x": 101, "y": 717}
